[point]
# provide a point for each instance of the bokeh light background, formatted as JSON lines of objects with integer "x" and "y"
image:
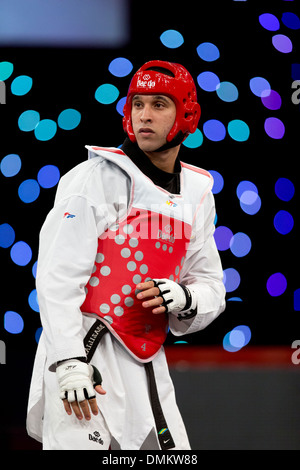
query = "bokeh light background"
{"x": 244, "y": 59}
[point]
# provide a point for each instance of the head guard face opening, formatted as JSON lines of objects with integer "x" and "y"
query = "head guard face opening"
{"x": 177, "y": 84}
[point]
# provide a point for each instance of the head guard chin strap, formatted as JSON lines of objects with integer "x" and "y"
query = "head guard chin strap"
{"x": 173, "y": 80}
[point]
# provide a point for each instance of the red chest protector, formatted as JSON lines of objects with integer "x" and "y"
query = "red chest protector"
{"x": 150, "y": 242}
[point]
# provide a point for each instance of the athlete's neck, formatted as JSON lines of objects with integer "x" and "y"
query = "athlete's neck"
{"x": 166, "y": 180}
{"x": 164, "y": 160}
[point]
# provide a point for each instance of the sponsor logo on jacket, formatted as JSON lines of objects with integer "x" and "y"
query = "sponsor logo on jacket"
{"x": 96, "y": 437}
{"x": 166, "y": 234}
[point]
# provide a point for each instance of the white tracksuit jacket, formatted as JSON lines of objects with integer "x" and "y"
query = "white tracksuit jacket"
{"x": 91, "y": 199}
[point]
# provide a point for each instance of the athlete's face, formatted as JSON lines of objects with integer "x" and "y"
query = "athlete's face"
{"x": 152, "y": 117}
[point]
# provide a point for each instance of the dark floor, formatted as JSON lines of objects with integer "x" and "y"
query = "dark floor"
{"x": 240, "y": 409}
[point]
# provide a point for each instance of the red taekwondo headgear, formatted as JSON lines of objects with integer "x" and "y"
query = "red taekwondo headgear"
{"x": 171, "y": 79}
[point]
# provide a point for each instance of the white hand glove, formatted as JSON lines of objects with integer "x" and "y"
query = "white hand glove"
{"x": 76, "y": 380}
{"x": 175, "y": 297}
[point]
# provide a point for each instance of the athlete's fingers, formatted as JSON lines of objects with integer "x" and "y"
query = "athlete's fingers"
{"x": 160, "y": 309}
{"x": 67, "y": 406}
{"x": 85, "y": 408}
{"x": 94, "y": 406}
{"x": 155, "y": 304}
{"x": 77, "y": 410}
{"x": 150, "y": 292}
{"x": 146, "y": 291}
{"x": 82, "y": 409}
{"x": 99, "y": 389}
{"x": 145, "y": 285}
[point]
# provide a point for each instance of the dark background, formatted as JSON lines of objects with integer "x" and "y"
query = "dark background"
{"x": 67, "y": 77}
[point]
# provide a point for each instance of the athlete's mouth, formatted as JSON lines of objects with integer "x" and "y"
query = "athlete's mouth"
{"x": 146, "y": 130}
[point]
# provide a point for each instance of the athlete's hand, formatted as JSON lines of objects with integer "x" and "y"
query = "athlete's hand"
{"x": 78, "y": 382}
{"x": 163, "y": 295}
{"x": 150, "y": 293}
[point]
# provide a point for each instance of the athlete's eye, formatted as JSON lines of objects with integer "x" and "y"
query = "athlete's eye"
{"x": 137, "y": 104}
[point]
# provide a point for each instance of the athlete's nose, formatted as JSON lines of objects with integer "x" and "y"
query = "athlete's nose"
{"x": 146, "y": 115}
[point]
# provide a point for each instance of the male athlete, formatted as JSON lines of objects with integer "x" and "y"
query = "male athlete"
{"x": 126, "y": 254}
